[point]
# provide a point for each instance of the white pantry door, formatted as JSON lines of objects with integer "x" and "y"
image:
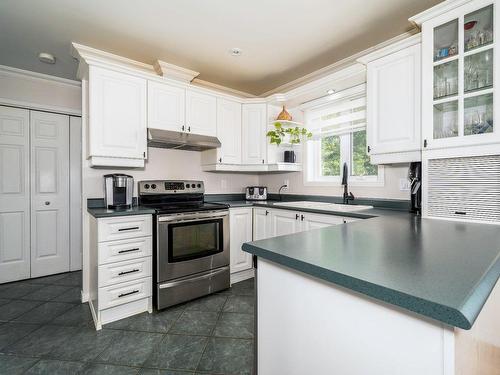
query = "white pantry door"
{"x": 14, "y": 194}
{"x": 49, "y": 193}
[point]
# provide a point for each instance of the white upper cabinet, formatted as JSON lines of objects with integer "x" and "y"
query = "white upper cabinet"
{"x": 117, "y": 118}
{"x": 460, "y": 76}
{"x": 229, "y": 131}
{"x": 393, "y": 103}
{"x": 253, "y": 133}
{"x": 201, "y": 113}
{"x": 166, "y": 106}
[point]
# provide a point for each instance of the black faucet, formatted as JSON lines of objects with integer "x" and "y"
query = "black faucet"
{"x": 348, "y": 196}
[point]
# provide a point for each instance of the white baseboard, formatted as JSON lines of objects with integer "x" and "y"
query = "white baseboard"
{"x": 242, "y": 275}
{"x": 85, "y": 297}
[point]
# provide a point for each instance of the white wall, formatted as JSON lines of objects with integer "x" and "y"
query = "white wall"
{"x": 171, "y": 164}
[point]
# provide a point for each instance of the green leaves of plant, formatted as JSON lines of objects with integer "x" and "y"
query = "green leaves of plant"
{"x": 295, "y": 133}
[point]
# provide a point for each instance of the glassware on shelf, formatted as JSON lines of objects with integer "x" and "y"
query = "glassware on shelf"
{"x": 446, "y": 79}
{"x": 446, "y": 40}
{"x": 478, "y": 114}
{"x": 446, "y": 120}
{"x": 478, "y": 71}
{"x": 478, "y": 28}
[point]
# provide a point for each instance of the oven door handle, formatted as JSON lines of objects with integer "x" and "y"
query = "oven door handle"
{"x": 193, "y": 217}
{"x": 193, "y": 279}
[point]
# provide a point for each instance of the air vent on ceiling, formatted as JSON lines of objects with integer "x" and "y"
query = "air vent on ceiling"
{"x": 466, "y": 188}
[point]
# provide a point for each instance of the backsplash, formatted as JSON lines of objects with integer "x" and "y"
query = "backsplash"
{"x": 170, "y": 165}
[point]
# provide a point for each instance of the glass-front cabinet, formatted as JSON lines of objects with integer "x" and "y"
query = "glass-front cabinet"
{"x": 460, "y": 76}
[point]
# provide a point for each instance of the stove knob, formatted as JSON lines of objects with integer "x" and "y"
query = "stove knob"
{"x": 146, "y": 186}
{"x": 193, "y": 186}
{"x": 153, "y": 186}
{"x": 199, "y": 185}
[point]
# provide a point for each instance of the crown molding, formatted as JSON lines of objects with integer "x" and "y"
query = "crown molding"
{"x": 88, "y": 55}
{"x": 38, "y": 76}
{"x": 435, "y": 11}
{"x": 210, "y": 85}
{"x": 175, "y": 72}
{"x": 339, "y": 65}
{"x": 397, "y": 46}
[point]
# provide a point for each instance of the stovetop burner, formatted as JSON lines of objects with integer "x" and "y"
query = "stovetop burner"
{"x": 169, "y": 196}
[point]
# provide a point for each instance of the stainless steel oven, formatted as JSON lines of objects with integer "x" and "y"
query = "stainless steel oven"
{"x": 192, "y": 257}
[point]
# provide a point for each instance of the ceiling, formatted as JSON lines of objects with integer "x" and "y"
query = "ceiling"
{"x": 281, "y": 40}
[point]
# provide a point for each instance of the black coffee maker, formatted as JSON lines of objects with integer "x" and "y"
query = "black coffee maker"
{"x": 415, "y": 177}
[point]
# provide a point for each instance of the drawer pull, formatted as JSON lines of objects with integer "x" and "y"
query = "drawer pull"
{"x": 124, "y": 229}
{"x": 128, "y": 294}
{"x": 128, "y": 250}
{"x": 127, "y": 272}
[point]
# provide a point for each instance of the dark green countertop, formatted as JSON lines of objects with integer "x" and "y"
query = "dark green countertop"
{"x": 98, "y": 212}
{"x": 440, "y": 269}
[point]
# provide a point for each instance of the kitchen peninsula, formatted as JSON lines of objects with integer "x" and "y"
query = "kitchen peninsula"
{"x": 386, "y": 295}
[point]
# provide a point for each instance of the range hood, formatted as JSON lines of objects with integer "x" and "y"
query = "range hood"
{"x": 181, "y": 141}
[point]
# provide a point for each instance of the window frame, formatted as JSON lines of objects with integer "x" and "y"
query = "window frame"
{"x": 312, "y": 152}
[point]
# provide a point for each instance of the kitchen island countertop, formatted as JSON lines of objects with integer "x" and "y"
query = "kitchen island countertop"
{"x": 440, "y": 269}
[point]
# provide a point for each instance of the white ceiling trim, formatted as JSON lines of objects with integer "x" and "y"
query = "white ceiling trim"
{"x": 39, "y": 76}
{"x": 339, "y": 65}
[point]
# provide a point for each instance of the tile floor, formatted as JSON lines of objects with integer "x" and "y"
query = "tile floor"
{"x": 44, "y": 329}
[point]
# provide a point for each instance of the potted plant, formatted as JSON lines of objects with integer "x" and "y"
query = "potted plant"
{"x": 296, "y": 134}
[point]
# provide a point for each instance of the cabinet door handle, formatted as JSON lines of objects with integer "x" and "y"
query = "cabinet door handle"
{"x": 124, "y": 229}
{"x": 262, "y": 161}
{"x": 267, "y": 212}
{"x": 128, "y": 250}
{"x": 189, "y": 129}
{"x": 220, "y": 160}
{"x": 425, "y": 142}
{"x": 301, "y": 217}
{"x": 128, "y": 294}
{"x": 369, "y": 149}
{"x": 127, "y": 272}
{"x": 182, "y": 128}
{"x": 296, "y": 216}
{"x": 47, "y": 203}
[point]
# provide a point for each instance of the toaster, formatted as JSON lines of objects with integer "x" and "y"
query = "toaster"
{"x": 256, "y": 193}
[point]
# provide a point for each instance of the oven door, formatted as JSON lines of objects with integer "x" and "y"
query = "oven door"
{"x": 191, "y": 243}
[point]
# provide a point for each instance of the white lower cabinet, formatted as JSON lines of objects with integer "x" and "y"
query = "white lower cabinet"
{"x": 120, "y": 272}
{"x": 284, "y": 222}
{"x": 240, "y": 224}
{"x": 261, "y": 223}
{"x": 315, "y": 221}
{"x": 269, "y": 222}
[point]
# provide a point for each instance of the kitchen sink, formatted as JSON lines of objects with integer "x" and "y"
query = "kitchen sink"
{"x": 324, "y": 206}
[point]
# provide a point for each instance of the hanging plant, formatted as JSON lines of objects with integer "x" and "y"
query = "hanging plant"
{"x": 296, "y": 134}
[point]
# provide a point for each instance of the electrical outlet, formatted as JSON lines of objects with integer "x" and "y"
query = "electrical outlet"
{"x": 404, "y": 184}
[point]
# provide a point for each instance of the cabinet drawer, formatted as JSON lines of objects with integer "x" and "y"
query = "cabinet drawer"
{"x": 119, "y": 294}
{"x": 122, "y": 227}
{"x": 114, "y": 273}
{"x": 117, "y": 251}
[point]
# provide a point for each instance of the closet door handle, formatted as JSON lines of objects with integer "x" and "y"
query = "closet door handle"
{"x": 124, "y": 229}
{"x": 128, "y": 294}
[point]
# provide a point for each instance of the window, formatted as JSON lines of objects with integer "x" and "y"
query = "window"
{"x": 339, "y": 136}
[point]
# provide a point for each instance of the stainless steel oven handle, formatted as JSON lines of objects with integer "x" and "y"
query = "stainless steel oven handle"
{"x": 193, "y": 279}
{"x": 193, "y": 217}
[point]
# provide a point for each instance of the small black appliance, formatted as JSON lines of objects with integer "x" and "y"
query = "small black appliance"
{"x": 415, "y": 177}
